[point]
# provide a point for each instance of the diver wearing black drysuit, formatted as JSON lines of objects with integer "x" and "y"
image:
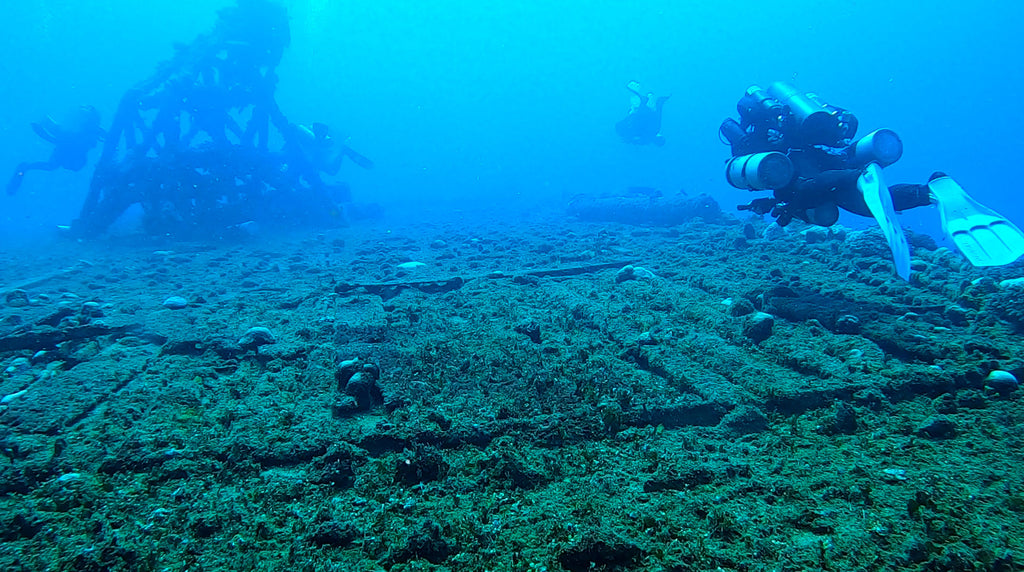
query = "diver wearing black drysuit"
{"x": 71, "y": 141}
{"x": 804, "y": 151}
{"x": 822, "y": 162}
{"x": 643, "y": 124}
{"x": 823, "y": 183}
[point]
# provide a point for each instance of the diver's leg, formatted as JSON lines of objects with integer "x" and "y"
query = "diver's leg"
{"x": 908, "y": 196}
{"x": 48, "y": 165}
{"x": 840, "y": 186}
{"x": 19, "y": 173}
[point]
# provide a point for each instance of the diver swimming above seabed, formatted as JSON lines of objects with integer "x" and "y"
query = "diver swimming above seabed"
{"x": 804, "y": 150}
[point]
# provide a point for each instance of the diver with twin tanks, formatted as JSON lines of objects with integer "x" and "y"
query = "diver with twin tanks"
{"x": 805, "y": 151}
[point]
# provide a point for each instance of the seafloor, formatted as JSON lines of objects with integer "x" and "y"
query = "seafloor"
{"x": 520, "y": 402}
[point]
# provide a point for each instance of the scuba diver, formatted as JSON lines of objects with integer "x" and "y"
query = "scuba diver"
{"x": 323, "y": 152}
{"x": 805, "y": 151}
{"x": 71, "y": 141}
{"x": 643, "y": 124}
{"x": 309, "y": 152}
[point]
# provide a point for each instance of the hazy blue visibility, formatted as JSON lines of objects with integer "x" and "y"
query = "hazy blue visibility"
{"x": 515, "y": 102}
{"x": 520, "y": 329}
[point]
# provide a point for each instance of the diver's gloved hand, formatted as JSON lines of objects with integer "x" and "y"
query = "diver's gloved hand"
{"x": 782, "y": 215}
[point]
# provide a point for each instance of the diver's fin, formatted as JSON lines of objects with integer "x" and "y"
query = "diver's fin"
{"x": 878, "y": 199}
{"x": 984, "y": 236}
{"x": 47, "y": 129}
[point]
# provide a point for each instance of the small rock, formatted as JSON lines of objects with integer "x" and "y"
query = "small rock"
{"x": 958, "y": 315}
{"x": 1001, "y": 381}
{"x": 359, "y": 384}
{"x": 11, "y": 397}
{"x": 18, "y": 365}
{"x": 1012, "y": 283}
{"x": 175, "y": 303}
{"x": 643, "y": 274}
{"x": 630, "y": 272}
{"x": 937, "y": 427}
{"x": 815, "y": 235}
{"x": 530, "y": 330}
{"x": 345, "y": 405}
{"x": 759, "y": 326}
{"x": 847, "y": 324}
{"x": 984, "y": 285}
{"x": 257, "y": 336}
{"x": 362, "y": 387}
{"x": 744, "y": 420}
{"x": 438, "y": 244}
{"x": 413, "y": 265}
{"x": 893, "y": 475}
{"x": 346, "y": 369}
{"x": 357, "y": 380}
{"x": 334, "y": 533}
{"x": 774, "y": 231}
{"x": 646, "y": 339}
{"x": 17, "y": 298}
{"x": 741, "y": 307}
{"x": 844, "y": 420}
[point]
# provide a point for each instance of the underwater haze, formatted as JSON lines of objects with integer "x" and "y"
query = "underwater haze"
{"x": 512, "y": 104}
{"x": 413, "y": 286}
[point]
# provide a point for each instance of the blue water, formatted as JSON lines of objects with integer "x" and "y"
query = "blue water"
{"x": 513, "y": 104}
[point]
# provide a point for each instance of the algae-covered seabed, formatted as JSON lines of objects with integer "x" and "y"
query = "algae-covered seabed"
{"x": 541, "y": 413}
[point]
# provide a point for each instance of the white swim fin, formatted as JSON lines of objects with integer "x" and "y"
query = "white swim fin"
{"x": 879, "y": 201}
{"x": 984, "y": 236}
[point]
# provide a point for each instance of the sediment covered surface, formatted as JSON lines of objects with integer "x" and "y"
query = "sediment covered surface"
{"x": 489, "y": 395}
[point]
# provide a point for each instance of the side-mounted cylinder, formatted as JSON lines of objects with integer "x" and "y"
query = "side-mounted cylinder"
{"x": 759, "y": 171}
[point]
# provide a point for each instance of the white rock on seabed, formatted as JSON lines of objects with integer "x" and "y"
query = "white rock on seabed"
{"x": 1001, "y": 381}
{"x": 175, "y": 303}
{"x": 11, "y": 397}
{"x": 18, "y": 365}
{"x": 1012, "y": 283}
{"x": 257, "y": 336}
{"x": 630, "y": 272}
{"x": 410, "y": 265}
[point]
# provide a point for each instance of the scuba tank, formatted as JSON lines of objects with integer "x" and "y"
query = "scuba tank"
{"x": 756, "y": 106}
{"x": 882, "y": 146}
{"x": 759, "y": 171}
{"x": 814, "y": 124}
